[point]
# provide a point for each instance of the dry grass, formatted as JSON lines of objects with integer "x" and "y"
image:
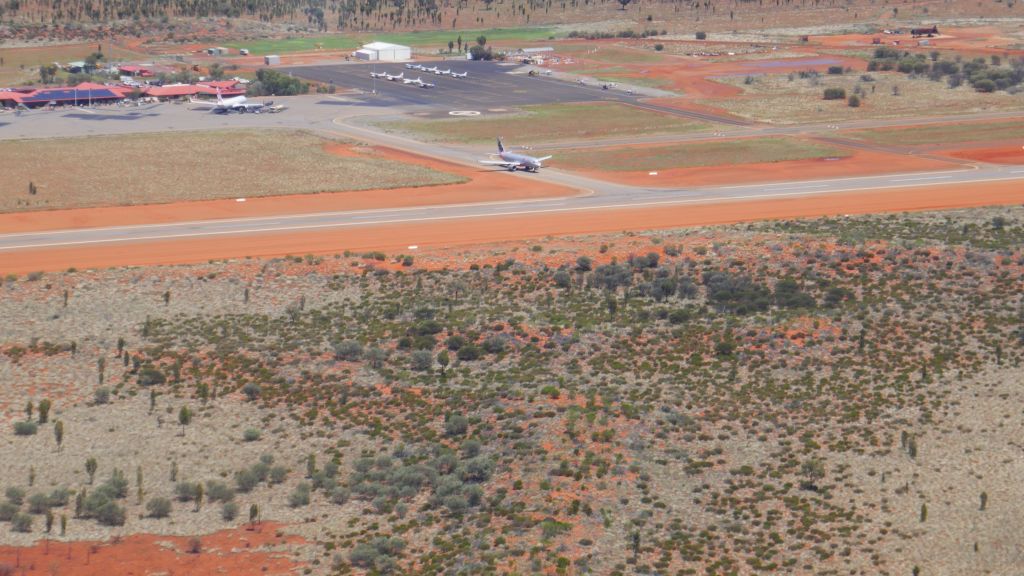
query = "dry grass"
{"x": 159, "y": 168}
{"x": 746, "y": 151}
{"x": 550, "y": 123}
{"x": 20, "y": 64}
{"x": 945, "y": 133}
{"x": 776, "y": 98}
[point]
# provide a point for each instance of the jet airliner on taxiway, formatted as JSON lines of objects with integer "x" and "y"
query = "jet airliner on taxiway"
{"x": 513, "y": 161}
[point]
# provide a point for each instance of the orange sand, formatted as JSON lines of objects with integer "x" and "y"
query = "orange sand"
{"x": 227, "y": 552}
{"x": 441, "y": 236}
{"x": 1001, "y": 155}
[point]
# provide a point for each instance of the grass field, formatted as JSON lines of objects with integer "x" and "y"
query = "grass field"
{"x": 550, "y": 123}
{"x": 430, "y": 38}
{"x": 180, "y": 166}
{"x": 945, "y": 133}
{"x": 746, "y": 151}
{"x": 18, "y": 62}
{"x": 778, "y": 99}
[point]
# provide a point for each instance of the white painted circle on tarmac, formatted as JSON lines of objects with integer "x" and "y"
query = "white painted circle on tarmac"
{"x": 464, "y": 113}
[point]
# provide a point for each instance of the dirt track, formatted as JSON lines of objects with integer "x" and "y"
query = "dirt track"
{"x": 441, "y": 236}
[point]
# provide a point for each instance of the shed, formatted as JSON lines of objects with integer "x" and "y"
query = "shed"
{"x": 271, "y": 59}
{"x": 384, "y": 51}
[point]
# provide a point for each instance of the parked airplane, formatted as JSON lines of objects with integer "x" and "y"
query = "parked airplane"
{"x": 513, "y": 161}
{"x": 434, "y": 70}
{"x": 394, "y": 78}
{"x": 411, "y": 81}
{"x": 378, "y": 74}
{"x": 447, "y": 72}
{"x": 238, "y": 104}
{"x": 457, "y": 75}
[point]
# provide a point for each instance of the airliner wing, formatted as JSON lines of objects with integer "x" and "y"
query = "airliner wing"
{"x": 499, "y": 163}
{"x": 543, "y": 159}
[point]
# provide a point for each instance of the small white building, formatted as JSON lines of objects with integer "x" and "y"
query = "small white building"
{"x": 384, "y": 52}
{"x": 271, "y": 59}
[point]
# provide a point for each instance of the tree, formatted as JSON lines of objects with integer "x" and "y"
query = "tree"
{"x": 47, "y": 73}
{"x": 90, "y": 468}
{"x": 199, "y": 496}
{"x": 854, "y": 101}
{"x": 702, "y": 35}
{"x": 481, "y": 41}
{"x": 459, "y": 41}
{"x": 44, "y": 410}
{"x": 58, "y": 433}
{"x": 450, "y": 46}
{"x": 184, "y": 418}
{"x": 28, "y": 410}
{"x": 421, "y": 360}
{"x": 624, "y": 3}
{"x": 443, "y": 360}
{"x": 254, "y": 514}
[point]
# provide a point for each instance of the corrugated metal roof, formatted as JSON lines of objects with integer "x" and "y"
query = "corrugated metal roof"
{"x": 383, "y": 46}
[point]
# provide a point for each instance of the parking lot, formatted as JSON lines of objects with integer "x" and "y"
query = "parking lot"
{"x": 488, "y": 85}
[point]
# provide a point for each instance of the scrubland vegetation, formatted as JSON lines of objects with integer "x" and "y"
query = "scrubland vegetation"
{"x": 768, "y": 398}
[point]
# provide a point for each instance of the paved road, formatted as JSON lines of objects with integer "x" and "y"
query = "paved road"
{"x": 599, "y": 196}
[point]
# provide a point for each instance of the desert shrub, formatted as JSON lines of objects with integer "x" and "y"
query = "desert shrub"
{"x": 101, "y": 396}
{"x": 455, "y": 341}
{"x": 252, "y": 391}
{"x": 562, "y": 279}
{"x": 251, "y": 435}
{"x": 735, "y": 293}
{"x": 701, "y": 35}
{"x": 116, "y": 485}
{"x": 421, "y": 360}
{"x": 340, "y": 495}
{"x": 584, "y": 264}
{"x": 217, "y": 491}
{"x": 26, "y": 428}
{"x": 789, "y": 295}
{"x": 7, "y": 511}
{"x": 611, "y": 276}
{"x": 229, "y": 511}
{"x": 158, "y": 507}
{"x": 186, "y": 491}
{"x": 246, "y": 480}
{"x": 477, "y": 469}
{"x": 835, "y": 70}
{"x": 151, "y": 376}
{"x": 109, "y": 514}
{"x": 493, "y": 344}
{"x": 21, "y": 523}
{"x": 277, "y": 474}
{"x": 456, "y": 425}
{"x": 39, "y": 503}
{"x": 853, "y": 101}
{"x": 471, "y": 448}
{"x": 378, "y": 554}
{"x": 348, "y": 350}
{"x": 15, "y": 495}
{"x": 299, "y": 496}
{"x": 835, "y": 93}
{"x": 659, "y": 47}
{"x": 468, "y": 353}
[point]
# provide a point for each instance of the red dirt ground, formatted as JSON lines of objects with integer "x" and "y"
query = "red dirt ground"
{"x": 238, "y": 551}
{"x": 859, "y": 163}
{"x": 1002, "y": 155}
{"x": 440, "y": 237}
{"x": 980, "y": 40}
{"x": 484, "y": 186}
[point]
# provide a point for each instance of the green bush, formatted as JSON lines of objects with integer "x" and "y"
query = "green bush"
{"x": 835, "y": 93}
{"x": 158, "y": 507}
{"x": 229, "y": 511}
{"x": 299, "y": 496}
{"x": 21, "y": 523}
{"x": 26, "y": 428}
{"x": 251, "y": 435}
{"x": 854, "y": 101}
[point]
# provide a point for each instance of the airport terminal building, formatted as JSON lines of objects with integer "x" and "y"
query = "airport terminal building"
{"x": 384, "y": 52}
